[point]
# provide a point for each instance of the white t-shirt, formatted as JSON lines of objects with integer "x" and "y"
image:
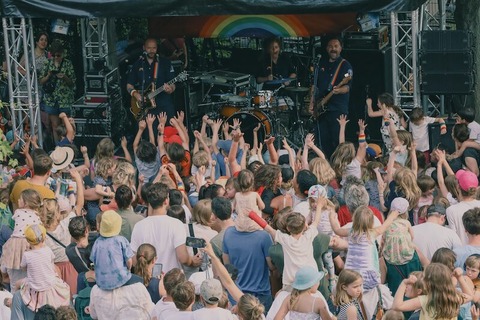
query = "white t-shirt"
{"x": 165, "y": 234}
{"x": 163, "y": 309}
{"x": 5, "y": 311}
{"x": 420, "y": 133}
{"x": 281, "y": 296}
{"x": 474, "y": 128}
{"x": 297, "y": 253}
{"x": 178, "y": 315}
{"x": 455, "y": 214}
{"x": 431, "y": 236}
{"x": 120, "y": 303}
{"x": 353, "y": 169}
{"x": 62, "y": 234}
{"x": 213, "y": 314}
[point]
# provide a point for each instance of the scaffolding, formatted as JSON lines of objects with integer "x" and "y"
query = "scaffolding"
{"x": 406, "y": 30}
{"x": 22, "y": 77}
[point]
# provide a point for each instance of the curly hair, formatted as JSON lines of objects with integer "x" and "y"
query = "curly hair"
{"x": 267, "y": 175}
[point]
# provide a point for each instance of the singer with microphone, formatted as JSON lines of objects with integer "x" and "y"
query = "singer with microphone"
{"x": 150, "y": 83}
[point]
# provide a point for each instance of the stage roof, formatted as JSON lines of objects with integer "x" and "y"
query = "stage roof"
{"x": 158, "y": 8}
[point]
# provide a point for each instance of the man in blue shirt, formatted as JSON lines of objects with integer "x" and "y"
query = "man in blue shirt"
{"x": 248, "y": 252}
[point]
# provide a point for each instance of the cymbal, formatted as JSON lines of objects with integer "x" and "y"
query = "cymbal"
{"x": 297, "y": 89}
{"x": 279, "y": 81}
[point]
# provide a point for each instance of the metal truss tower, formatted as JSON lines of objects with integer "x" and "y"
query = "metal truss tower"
{"x": 22, "y": 87}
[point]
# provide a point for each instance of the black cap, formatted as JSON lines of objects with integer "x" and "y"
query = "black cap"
{"x": 436, "y": 209}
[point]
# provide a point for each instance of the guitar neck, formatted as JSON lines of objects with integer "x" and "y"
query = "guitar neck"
{"x": 159, "y": 90}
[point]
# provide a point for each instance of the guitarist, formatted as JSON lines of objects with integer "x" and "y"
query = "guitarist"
{"x": 148, "y": 70}
{"x": 328, "y": 73}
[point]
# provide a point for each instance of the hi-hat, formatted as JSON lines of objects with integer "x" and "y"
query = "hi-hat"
{"x": 297, "y": 89}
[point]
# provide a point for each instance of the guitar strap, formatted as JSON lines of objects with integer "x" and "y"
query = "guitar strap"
{"x": 155, "y": 75}
{"x": 335, "y": 75}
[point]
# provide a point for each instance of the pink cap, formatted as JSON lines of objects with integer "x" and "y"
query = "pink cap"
{"x": 466, "y": 179}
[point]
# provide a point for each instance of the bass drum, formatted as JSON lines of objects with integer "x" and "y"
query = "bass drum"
{"x": 249, "y": 121}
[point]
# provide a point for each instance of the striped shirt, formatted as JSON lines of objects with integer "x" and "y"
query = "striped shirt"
{"x": 41, "y": 274}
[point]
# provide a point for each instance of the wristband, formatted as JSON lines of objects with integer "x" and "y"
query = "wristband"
{"x": 361, "y": 138}
{"x": 387, "y": 121}
{"x": 132, "y": 92}
{"x": 259, "y": 220}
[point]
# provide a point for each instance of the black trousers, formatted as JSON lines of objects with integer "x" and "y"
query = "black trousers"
{"x": 326, "y": 134}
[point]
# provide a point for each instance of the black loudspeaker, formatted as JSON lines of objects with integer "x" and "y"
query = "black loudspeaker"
{"x": 445, "y": 140}
{"x": 448, "y": 83}
{"x": 372, "y": 72}
{"x": 446, "y": 62}
{"x": 446, "y": 40}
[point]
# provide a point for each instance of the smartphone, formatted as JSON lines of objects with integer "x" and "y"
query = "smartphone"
{"x": 157, "y": 270}
{"x": 66, "y": 175}
{"x": 195, "y": 242}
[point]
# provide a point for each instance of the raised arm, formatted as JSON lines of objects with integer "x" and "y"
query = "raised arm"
{"x": 123, "y": 143}
{"x": 413, "y": 158}
{"x": 70, "y": 135}
{"x": 271, "y": 150}
{"x": 362, "y": 142}
{"x": 255, "y": 138}
{"x": 141, "y": 127}
{"x": 336, "y": 225}
{"x": 162, "y": 120}
{"x": 291, "y": 154}
{"x": 308, "y": 138}
{"x": 150, "y": 119}
{"x": 216, "y": 124}
{"x": 391, "y": 217}
{"x": 80, "y": 192}
{"x": 371, "y": 113}
{"x": 232, "y": 155}
{"x": 342, "y": 121}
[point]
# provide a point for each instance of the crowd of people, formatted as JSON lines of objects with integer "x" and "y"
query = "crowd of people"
{"x": 202, "y": 225}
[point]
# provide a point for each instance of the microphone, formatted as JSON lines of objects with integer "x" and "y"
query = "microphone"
{"x": 144, "y": 55}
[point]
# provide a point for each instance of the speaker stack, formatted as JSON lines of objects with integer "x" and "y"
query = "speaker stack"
{"x": 446, "y": 62}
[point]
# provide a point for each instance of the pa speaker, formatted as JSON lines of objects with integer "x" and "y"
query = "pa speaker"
{"x": 446, "y": 40}
{"x": 446, "y": 62}
{"x": 445, "y": 83}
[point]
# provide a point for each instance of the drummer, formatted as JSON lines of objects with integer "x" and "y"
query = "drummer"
{"x": 274, "y": 66}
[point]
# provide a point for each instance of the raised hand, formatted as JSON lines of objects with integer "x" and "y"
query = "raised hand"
{"x": 257, "y": 127}
{"x": 84, "y": 149}
{"x": 309, "y": 140}
{"x": 343, "y": 120}
{"x": 142, "y": 125}
{"x": 286, "y": 146}
{"x": 197, "y": 135}
{"x": 150, "y": 119}
{"x": 123, "y": 142}
{"x": 162, "y": 118}
{"x": 362, "y": 125}
{"x": 269, "y": 140}
{"x": 369, "y": 102}
{"x": 236, "y": 124}
{"x": 237, "y": 135}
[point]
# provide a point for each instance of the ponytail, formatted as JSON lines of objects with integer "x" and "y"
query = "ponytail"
{"x": 146, "y": 253}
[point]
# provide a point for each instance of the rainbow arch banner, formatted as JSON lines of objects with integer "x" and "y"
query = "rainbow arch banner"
{"x": 255, "y": 26}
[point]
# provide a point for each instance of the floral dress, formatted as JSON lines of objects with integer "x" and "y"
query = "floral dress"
{"x": 398, "y": 247}
{"x": 393, "y": 119}
{"x": 64, "y": 95}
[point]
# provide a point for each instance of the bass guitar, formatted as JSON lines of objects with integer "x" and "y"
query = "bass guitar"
{"x": 321, "y": 106}
{"x": 140, "y": 110}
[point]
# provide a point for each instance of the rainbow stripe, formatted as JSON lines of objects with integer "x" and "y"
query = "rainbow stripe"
{"x": 253, "y": 26}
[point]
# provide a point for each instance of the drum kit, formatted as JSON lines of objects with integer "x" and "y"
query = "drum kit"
{"x": 264, "y": 107}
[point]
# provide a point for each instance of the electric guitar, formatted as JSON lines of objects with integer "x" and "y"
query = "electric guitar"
{"x": 140, "y": 110}
{"x": 321, "y": 106}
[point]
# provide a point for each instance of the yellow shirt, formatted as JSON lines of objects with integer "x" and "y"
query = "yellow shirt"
{"x": 24, "y": 185}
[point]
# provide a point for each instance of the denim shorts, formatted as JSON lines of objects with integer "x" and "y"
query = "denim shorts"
{"x": 55, "y": 111}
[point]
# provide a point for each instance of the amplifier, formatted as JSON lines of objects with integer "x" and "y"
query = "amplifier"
{"x": 374, "y": 39}
{"x": 227, "y": 78}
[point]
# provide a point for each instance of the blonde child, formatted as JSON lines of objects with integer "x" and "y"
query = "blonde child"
{"x": 111, "y": 254}
{"x": 301, "y": 304}
{"x": 472, "y": 270}
{"x": 392, "y": 116}
{"x": 297, "y": 246}
{"x": 398, "y": 247}
{"x": 103, "y": 178}
{"x": 419, "y": 129}
{"x": 348, "y": 295}
{"x": 42, "y": 285}
{"x": 439, "y": 301}
{"x": 325, "y": 174}
{"x": 427, "y": 186}
{"x": 30, "y": 204}
{"x": 246, "y": 201}
{"x": 448, "y": 185}
{"x": 362, "y": 250}
{"x": 345, "y": 160}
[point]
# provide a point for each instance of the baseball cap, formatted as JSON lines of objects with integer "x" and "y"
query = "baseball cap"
{"x": 436, "y": 209}
{"x": 374, "y": 150}
{"x": 111, "y": 224}
{"x": 170, "y": 135}
{"x": 306, "y": 277}
{"x": 400, "y": 204}
{"x": 466, "y": 179}
{"x": 35, "y": 233}
{"x": 317, "y": 190}
{"x": 211, "y": 291}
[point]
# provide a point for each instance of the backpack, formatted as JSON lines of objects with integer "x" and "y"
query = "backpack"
{"x": 82, "y": 301}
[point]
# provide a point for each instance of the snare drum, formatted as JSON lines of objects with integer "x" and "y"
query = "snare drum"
{"x": 249, "y": 120}
{"x": 263, "y": 99}
{"x": 233, "y": 104}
